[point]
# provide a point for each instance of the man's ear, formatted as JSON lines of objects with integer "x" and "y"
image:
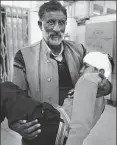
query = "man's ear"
{"x": 40, "y": 25}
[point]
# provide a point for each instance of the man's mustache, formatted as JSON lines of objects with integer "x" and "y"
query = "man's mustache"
{"x": 56, "y": 35}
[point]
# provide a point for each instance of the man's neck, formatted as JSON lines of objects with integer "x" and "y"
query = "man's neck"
{"x": 55, "y": 49}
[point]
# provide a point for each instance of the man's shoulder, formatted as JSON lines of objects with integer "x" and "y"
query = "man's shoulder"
{"x": 75, "y": 46}
{"x": 30, "y": 49}
{"x": 31, "y": 46}
{"x": 72, "y": 42}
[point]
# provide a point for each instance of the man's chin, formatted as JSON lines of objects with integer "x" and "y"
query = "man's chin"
{"x": 55, "y": 42}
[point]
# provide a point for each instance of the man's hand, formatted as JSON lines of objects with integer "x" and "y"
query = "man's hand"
{"x": 28, "y": 130}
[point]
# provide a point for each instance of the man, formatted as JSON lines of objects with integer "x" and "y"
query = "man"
{"x": 15, "y": 105}
{"x": 50, "y": 68}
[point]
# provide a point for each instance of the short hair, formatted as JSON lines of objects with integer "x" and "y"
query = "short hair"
{"x": 51, "y": 6}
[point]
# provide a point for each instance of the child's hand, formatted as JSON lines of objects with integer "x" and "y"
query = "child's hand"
{"x": 67, "y": 106}
{"x": 70, "y": 93}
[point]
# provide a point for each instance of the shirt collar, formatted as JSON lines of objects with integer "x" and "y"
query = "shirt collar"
{"x": 60, "y": 53}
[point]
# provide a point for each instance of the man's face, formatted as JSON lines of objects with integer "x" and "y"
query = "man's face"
{"x": 53, "y": 27}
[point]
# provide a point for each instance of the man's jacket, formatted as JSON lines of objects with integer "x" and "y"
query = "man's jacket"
{"x": 36, "y": 72}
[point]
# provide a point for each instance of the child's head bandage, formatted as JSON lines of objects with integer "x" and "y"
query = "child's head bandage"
{"x": 100, "y": 61}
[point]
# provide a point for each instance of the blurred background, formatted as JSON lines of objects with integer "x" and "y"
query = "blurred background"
{"x": 92, "y": 23}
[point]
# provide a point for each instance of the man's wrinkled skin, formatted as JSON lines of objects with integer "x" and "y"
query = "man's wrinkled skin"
{"x": 53, "y": 27}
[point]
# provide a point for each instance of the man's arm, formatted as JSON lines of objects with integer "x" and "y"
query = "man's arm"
{"x": 24, "y": 128}
{"x": 19, "y": 71}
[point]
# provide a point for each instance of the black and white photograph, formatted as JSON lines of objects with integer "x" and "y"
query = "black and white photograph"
{"x": 58, "y": 72}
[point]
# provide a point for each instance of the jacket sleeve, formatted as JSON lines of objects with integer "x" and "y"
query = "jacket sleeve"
{"x": 19, "y": 71}
{"x": 83, "y": 109}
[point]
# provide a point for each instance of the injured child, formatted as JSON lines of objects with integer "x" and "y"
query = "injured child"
{"x": 74, "y": 119}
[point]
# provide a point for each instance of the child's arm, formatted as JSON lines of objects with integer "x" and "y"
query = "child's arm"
{"x": 83, "y": 108}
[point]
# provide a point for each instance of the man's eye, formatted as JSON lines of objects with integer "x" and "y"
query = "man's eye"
{"x": 61, "y": 22}
{"x": 51, "y": 22}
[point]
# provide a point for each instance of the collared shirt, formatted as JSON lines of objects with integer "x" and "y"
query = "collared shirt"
{"x": 58, "y": 57}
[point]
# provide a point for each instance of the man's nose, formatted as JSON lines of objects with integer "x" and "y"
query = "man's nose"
{"x": 56, "y": 27}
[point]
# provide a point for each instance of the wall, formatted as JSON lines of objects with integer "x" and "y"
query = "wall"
{"x": 103, "y": 18}
{"x": 23, "y": 4}
{"x": 81, "y": 9}
{"x": 35, "y": 32}
{"x": 79, "y": 31}
{"x": 71, "y": 29}
{"x": 78, "y": 9}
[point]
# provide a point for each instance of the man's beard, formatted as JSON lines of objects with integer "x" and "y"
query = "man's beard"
{"x": 55, "y": 40}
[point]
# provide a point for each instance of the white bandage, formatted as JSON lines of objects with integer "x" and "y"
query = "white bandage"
{"x": 100, "y": 61}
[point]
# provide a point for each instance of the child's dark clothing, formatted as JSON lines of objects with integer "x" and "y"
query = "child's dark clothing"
{"x": 16, "y": 105}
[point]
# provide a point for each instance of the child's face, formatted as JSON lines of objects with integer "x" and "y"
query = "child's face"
{"x": 103, "y": 86}
{"x": 87, "y": 68}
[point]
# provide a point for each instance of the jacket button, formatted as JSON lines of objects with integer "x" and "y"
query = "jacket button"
{"x": 49, "y": 79}
{"x": 48, "y": 61}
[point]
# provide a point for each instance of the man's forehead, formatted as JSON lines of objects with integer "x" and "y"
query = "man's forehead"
{"x": 57, "y": 15}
